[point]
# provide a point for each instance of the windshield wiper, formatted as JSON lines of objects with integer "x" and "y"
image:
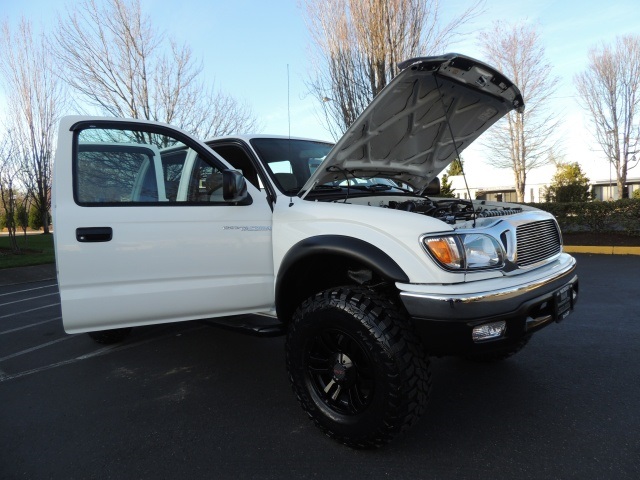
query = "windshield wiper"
{"x": 373, "y": 188}
{"x": 379, "y": 187}
{"x": 327, "y": 187}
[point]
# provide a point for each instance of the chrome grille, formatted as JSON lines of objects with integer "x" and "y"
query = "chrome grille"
{"x": 537, "y": 241}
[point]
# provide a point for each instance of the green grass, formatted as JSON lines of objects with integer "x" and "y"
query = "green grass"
{"x": 37, "y": 250}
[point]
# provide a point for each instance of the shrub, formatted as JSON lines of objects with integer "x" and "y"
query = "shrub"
{"x": 619, "y": 216}
{"x": 35, "y": 220}
{"x": 21, "y": 217}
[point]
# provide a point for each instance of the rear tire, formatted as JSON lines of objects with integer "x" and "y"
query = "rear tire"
{"x": 356, "y": 366}
{"x": 108, "y": 337}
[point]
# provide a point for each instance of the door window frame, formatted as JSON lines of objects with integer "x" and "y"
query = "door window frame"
{"x": 201, "y": 151}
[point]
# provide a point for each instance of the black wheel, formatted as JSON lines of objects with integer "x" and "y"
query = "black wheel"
{"x": 498, "y": 355}
{"x": 107, "y": 337}
{"x": 356, "y": 367}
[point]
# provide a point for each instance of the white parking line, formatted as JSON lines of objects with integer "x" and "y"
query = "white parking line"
{"x": 28, "y": 290}
{"x": 102, "y": 351}
{"x": 33, "y": 349}
{"x": 30, "y": 325}
{"x": 5, "y": 376}
{"x": 28, "y": 299}
{"x": 28, "y": 311}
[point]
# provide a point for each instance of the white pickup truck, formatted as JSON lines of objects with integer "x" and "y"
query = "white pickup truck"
{"x": 364, "y": 269}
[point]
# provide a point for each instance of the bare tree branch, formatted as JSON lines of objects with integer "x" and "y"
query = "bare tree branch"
{"x": 610, "y": 92}
{"x": 121, "y": 65}
{"x": 36, "y": 100}
{"x": 522, "y": 141}
{"x": 358, "y": 44}
{"x": 10, "y": 167}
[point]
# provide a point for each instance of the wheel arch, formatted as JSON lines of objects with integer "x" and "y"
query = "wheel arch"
{"x": 321, "y": 262}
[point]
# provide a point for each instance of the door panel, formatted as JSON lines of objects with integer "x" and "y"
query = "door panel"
{"x": 143, "y": 234}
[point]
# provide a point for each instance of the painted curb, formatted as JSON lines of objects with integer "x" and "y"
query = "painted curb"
{"x": 602, "y": 250}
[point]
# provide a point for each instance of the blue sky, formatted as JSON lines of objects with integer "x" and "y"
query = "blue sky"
{"x": 246, "y": 45}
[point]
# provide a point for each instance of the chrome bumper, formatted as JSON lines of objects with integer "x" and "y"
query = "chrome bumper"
{"x": 482, "y": 305}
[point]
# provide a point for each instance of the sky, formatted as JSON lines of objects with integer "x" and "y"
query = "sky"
{"x": 258, "y": 51}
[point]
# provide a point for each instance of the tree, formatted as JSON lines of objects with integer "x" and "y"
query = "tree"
{"x": 9, "y": 170}
{"x": 610, "y": 91}
{"x": 35, "y": 100}
{"x": 446, "y": 189}
{"x": 121, "y": 65}
{"x": 569, "y": 184}
{"x": 455, "y": 168}
{"x": 22, "y": 217}
{"x": 35, "y": 220}
{"x": 523, "y": 140}
{"x": 358, "y": 44}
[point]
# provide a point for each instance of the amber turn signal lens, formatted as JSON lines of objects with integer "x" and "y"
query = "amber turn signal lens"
{"x": 445, "y": 250}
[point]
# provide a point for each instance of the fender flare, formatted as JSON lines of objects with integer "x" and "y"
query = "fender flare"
{"x": 359, "y": 250}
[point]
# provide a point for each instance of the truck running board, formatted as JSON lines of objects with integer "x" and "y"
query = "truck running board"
{"x": 256, "y": 325}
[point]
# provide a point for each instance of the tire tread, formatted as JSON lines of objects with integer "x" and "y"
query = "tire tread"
{"x": 406, "y": 365}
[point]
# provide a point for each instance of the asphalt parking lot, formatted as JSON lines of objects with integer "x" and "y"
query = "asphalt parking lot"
{"x": 190, "y": 400}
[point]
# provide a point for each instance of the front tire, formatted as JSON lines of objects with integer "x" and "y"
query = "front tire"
{"x": 356, "y": 367}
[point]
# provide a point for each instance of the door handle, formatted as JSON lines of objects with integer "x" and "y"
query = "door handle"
{"x": 94, "y": 234}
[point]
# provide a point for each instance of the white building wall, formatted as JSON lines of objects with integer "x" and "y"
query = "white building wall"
{"x": 534, "y": 192}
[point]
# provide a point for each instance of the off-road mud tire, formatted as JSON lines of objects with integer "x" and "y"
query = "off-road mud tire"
{"x": 358, "y": 337}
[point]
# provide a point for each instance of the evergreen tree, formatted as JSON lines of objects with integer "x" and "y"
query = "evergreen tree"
{"x": 569, "y": 184}
{"x": 446, "y": 189}
{"x": 455, "y": 168}
{"x": 22, "y": 217}
{"x": 35, "y": 219}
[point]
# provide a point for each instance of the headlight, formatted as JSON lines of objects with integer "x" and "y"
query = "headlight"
{"x": 470, "y": 251}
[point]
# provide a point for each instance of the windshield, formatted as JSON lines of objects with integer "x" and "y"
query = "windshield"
{"x": 291, "y": 163}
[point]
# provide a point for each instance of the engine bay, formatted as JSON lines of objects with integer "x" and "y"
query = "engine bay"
{"x": 448, "y": 210}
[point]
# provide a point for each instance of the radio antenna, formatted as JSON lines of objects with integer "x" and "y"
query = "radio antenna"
{"x": 289, "y": 122}
{"x": 288, "y": 103}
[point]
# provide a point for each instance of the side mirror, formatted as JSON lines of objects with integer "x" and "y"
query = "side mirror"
{"x": 433, "y": 188}
{"x": 234, "y": 186}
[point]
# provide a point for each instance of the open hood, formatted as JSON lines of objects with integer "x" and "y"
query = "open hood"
{"x": 407, "y": 132}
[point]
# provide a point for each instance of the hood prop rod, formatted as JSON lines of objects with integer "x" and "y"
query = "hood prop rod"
{"x": 455, "y": 147}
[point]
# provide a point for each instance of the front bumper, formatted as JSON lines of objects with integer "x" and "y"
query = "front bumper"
{"x": 445, "y": 321}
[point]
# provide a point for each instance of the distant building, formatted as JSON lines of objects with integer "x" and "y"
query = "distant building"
{"x": 534, "y": 193}
{"x": 608, "y": 189}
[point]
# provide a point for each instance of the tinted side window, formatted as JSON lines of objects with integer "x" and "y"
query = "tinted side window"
{"x": 239, "y": 159}
{"x": 205, "y": 184}
{"x": 128, "y": 167}
{"x": 172, "y": 167}
{"x": 115, "y": 174}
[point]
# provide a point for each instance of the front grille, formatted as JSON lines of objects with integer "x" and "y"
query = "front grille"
{"x": 537, "y": 241}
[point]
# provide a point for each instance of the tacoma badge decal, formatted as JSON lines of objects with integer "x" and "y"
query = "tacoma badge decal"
{"x": 248, "y": 228}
